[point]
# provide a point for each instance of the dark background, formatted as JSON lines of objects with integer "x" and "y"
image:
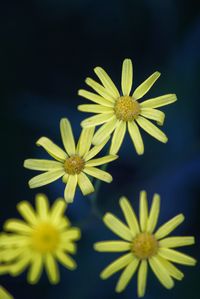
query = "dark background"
{"x": 47, "y": 49}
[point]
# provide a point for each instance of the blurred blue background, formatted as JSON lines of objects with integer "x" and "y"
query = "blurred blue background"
{"x": 47, "y": 49}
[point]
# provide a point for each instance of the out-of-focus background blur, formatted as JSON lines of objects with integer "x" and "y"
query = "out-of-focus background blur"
{"x": 47, "y": 49}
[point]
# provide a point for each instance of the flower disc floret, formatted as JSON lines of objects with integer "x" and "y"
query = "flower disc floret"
{"x": 126, "y": 108}
{"x": 144, "y": 245}
{"x": 74, "y": 165}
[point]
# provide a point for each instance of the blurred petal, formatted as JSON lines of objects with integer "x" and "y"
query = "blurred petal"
{"x": 169, "y": 226}
{"x": 112, "y": 246}
{"x": 161, "y": 272}
{"x": 126, "y": 275}
{"x": 117, "y": 265}
{"x": 177, "y": 257}
{"x": 173, "y": 242}
{"x": 142, "y": 278}
{"x": 51, "y": 268}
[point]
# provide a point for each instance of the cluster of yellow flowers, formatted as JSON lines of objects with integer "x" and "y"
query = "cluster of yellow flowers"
{"x": 45, "y": 235}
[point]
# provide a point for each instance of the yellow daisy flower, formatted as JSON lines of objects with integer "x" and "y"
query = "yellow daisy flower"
{"x": 4, "y": 293}
{"x": 73, "y": 164}
{"x": 144, "y": 246}
{"x": 120, "y": 111}
{"x": 44, "y": 237}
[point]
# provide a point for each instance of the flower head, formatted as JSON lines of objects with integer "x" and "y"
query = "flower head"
{"x": 4, "y": 293}
{"x": 144, "y": 246}
{"x": 44, "y": 237}
{"x": 73, "y": 164}
{"x": 120, "y": 111}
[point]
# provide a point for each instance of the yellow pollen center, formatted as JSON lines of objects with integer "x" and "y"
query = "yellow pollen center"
{"x": 74, "y": 164}
{"x": 45, "y": 238}
{"x": 126, "y": 108}
{"x": 144, "y": 246}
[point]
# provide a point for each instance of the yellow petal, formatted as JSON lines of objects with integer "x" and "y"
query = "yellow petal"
{"x": 154, "y": 213}
{"x": 112, "y": 246}
{"x": 102, "y": 91}
{"x": 27, "y": 211}
{"x": 73, "y": 233}
{"x": 97, "y": 120}
{"x": 161, "y": 272}
{"x": 106, "y": 81}
{"x": 19, "y": 226}
{"x": 57, "y": 210}
{"x": 126, "y": 275}
{"x": 95, "y": 108}
{"x": 173, "y": 242}
{"x": 85, "y": 184}
{"x": 4, "y": 294}
{"x": 35, "y": 270}
{"x": 18, "y": 267}
{"x": 42, "y": 165}
{"x": 94, "y": 98}
{"x": 159, "y": 101}
{"x": 129, "y": 215}
{"x": 171, "y": 269}
{"x": 118, "y": 137}
{"x": 127, "y": 77}
{"x": 95, "y": 150}
{"x": 117, "y": 265}
{"x": 70, "y": 188}
{"x": 67, "y": 136}
{"x": 143, "y": 88}
{"x": 66, "y": 260}
{"x": 142, "y": 279}
{"x": 55, "y": 151}
{"x": 169, "y": 226}
{"x": 42, "y": 206}
{"x": 136, "y": 137}
{"x": 176, "y": 257}
{"x": 153, "y": 114}
{"x": 51, "y": 268}
{"x": 117, "y": 227}
{"x": 151, "y": 129}
{"x": 45, "y": 178}
{"x": 100, "y": 161}
{"x": 143, "y": 211}
{"x": 98, "y": 174}
{"x": 85, "y": 141}
{"x": 104, "y": 131}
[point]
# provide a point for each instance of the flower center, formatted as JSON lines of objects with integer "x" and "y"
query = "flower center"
{"x": 74, "y": 164}
{"x": 144, "y": 246}
{"x": 126, "y": 108}
{"x": 45, "y": 238}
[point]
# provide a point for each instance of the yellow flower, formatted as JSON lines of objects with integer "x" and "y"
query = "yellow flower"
{"x": 117, "y": 111}
{"x": 4, "y": 293}
{"x": 44, "y": 237}
{"x": 144, "y": 246}
{"x": 73, "y": 164}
